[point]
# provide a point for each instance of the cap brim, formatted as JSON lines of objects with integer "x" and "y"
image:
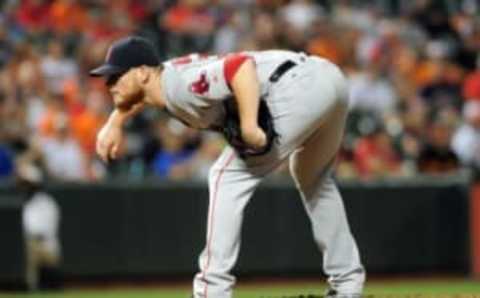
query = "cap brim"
{"x": 106, "y": 70}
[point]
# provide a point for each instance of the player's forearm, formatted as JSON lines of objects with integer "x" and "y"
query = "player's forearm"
{"x": 119, "y": 116}
{"x": 246, "y": 87}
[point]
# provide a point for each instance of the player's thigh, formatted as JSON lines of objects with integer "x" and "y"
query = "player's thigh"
{"x": 311, "y": 160}
{"x": 301, "y": 105}
{"x": 231, "y": 170}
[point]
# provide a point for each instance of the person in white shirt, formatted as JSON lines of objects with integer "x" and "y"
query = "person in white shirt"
{"x": 57, "y": 68}
{"x": 466, "y": 140}
{"x": 41, "y": 220}
{"x": 63, "y": 156}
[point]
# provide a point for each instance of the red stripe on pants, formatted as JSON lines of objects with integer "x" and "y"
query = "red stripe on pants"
{"x": 222, "y": 169}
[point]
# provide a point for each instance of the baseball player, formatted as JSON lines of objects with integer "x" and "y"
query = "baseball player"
{"x": 270, "y": 105}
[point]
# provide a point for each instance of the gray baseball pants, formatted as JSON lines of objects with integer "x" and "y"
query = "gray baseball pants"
{"x": 309, "y": 106}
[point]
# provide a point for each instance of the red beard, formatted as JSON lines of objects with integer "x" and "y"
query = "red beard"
{"x": 127, "y": 102}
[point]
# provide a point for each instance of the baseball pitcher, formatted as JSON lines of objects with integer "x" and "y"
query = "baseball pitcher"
{"x": 269, "y": 105}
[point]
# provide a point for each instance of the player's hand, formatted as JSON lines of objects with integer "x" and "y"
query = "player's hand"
{"x": 254, "y": 137}
{"x": 109, "y": 139}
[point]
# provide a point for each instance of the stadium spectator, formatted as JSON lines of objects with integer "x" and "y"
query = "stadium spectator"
{"x": 56, "y": 67}
{"x": 265, "y": 33}
{"x": 13, "y": 126}
{"x": 301, "y": 14}
{"x": 172, "y": 161}
{"x": 228, "y": 37}
{"x": 6, "y": 47}
{"x": 345, "y": 166}
{"x": 88, "y": 122}
{"x": 370, "y": 90}
{"x": 64, "y": 158}
{"x": 32, "y": 15}
{"x": 466, "y": 141}
{"x": 436, "y": 156}
{"x": 67, "y": 17}
{"x": 471, "y": 85}
{"x": 190, "y": 26}
{"x": 410, "y": 147}
{"x": 6, "y": 161}
{"x": 375, "y": 157}
{"x": 433, "y": 18}
{"x": 324, "y": 42}
{"x": 208, "y": 151}
{"x": 54, "y": 108}
{"x": 41, "y": 221}
{"x": 444, "y": 88}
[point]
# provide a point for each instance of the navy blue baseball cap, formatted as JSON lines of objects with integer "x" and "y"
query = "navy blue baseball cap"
{"x": 127, "y": 53}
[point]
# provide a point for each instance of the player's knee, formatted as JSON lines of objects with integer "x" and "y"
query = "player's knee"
{"x": 299, "y": 172}
{"x": 310, "y": 183}
{"x": 306, "y": 185}
{"x": 301, "y": 180}
{"x": 293, "y": 168}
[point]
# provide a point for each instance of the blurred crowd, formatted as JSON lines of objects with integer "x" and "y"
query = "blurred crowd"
{"x": 413, "y": 69}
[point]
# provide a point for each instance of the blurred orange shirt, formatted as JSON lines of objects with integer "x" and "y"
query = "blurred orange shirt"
{"x": 181, "y": 18}
{"x": 65, "y": 17}
{"x": 325, "y": 48}
{"x": 71, "y": 97}
{"x": 424, "y": 73}
{"x": 85, "y": 127}
{"x": 47, "y": 122}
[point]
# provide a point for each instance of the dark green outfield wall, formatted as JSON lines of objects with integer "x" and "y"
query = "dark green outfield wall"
{"x": 158, "y": 229}
{"x": 12, "y": 260}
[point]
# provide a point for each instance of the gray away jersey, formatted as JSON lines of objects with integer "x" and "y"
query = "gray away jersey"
{"x": 194, "y": 86}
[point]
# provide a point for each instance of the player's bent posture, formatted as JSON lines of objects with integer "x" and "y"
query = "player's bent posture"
{"x": 287, "y": 105}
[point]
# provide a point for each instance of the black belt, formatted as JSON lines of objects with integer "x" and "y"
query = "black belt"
{"x": 281, "y": 70}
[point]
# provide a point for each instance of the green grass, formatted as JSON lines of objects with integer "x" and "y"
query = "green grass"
{"x": 394, "y": 288}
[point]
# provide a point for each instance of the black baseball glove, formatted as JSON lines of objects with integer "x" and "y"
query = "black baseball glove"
{"x": 233, "y": 133}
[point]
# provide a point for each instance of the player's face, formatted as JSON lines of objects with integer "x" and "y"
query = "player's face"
{"x": 125, "y": 89}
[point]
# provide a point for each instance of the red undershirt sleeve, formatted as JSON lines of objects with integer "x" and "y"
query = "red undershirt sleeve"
{"x": 231, "y": 65}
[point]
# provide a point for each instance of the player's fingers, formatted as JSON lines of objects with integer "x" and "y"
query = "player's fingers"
{"x": 139, "y": 106}
{"x": 264, "y": 139}
{"x": 103, "y": 154}
{"x": 109, "y": 153}
{"x": 99, "y": 148}
{"x": 100, "y": 143}
{"x": 115, "y": 151}
{"x": 104, "y": 151}
{"x": 261, "y": 139}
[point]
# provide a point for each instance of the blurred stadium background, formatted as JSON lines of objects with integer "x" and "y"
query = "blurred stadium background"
{"x": 408, "y": 167}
